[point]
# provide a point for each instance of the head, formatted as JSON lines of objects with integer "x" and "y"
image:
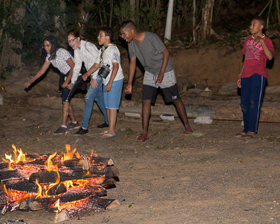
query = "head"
{"x": 128, "y": 30}
{"x": 74, "y": 39}
{"x": 105, "y": 36}
{"x": 257, "y": 25}
{"x": 50, "y": 46}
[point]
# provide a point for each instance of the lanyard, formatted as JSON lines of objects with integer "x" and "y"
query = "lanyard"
{"x": 102, "y": 52}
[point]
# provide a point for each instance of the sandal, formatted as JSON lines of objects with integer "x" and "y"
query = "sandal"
{"x": 240, "y": 135}
{"x": 142, "y": 138}
{"x": 188, "y": 131}
{"x": 108, "y": 136}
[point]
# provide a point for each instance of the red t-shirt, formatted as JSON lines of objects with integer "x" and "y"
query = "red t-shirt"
{"x": 255, "y": 59}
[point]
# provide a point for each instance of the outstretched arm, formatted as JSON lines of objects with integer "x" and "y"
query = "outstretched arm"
{"x": 90, "y": 71}
{"x": 132, "y": 67}
{"x": 42, "y": 71}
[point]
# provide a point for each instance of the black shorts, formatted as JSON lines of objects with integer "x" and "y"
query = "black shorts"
{"x": 170, "y": 94}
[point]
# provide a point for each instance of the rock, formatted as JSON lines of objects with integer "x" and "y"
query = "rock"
{"x": 228, "y": 89}
{"x": 203, "y": 120}
{"x": 61, "y": 216}
{"x": 167, "y": 117}
{"x": 133, "y": 115}
{"x": 113, "y": 205}
{"x": 274, "y": 90}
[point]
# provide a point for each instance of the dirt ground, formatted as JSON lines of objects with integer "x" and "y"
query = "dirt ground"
{"x": 172, "y": 178}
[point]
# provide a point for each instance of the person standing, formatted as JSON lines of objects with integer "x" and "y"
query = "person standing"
{"x": 87, "y": 53}
{"x": 159, "y": 73}
{"x": 112, "y": 75}
{"x": 252, "y": 79}
{"x": 63, "y": 61}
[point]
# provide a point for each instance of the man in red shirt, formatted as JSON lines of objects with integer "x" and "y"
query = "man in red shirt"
{"x": 257, "y": 49}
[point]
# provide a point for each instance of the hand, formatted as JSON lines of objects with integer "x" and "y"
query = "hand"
{"x": 108, "y": 87}
{"x": 160, "y": 78}
{"x": 27, "y": 84}
{"x": 128, "y": 89}
{"x": 85, "y": 76}
{"x": 93, "y": 83}
{"x": 70, "y": 86}
{"x": 238, "y": 83}
{"x": 64, "y": 85}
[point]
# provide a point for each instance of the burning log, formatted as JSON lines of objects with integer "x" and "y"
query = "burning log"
{"x": 68, "y": 183}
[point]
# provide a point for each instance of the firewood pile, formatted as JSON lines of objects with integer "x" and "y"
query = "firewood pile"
{"x": 66, "y": 183}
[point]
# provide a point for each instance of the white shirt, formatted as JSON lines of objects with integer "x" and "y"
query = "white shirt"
{"x": 87, "y": 53}
{"x": 59, "y": 62}
{"x": 111, "y": 55}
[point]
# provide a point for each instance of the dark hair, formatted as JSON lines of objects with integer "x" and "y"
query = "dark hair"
{"x": 260, "y": 19}
{"x": 54, "y": 47}
{"x": 128, "y": 24}
{"x": 75, "y": 33}
{"x": 108, "y": 32}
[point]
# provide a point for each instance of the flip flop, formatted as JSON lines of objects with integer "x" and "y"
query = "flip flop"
{"x": 142, "y": 138}
{"x": 240, "y": 135}
{"x": 188, "y": 131}
{"x": 108, "y": 136}
{"x": 104, "y": 132}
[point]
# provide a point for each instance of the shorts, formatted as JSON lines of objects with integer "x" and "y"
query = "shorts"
{"x": 65, "y": 92}
{"x": 112, "y": 99}
{"x": 168, "y": 87}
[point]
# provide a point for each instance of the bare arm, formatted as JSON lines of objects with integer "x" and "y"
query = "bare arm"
{"x": 113, "y": 75}
{"x": 132, "y": 67}
{"x": 267, "y": 52}
{"x": 71, "y": 64}
{"x": 42, "y": 71}
{"x": 163, "y": 66}
{"x": 90, "y": 71}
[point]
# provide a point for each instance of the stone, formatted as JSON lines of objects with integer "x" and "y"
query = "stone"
{"x": 133, "y": 115}
{"x": 274, "y": 90}
{"x": 167, "y": 117}
{"x": 228, "y": 89}
{"x": 203, "y": 120}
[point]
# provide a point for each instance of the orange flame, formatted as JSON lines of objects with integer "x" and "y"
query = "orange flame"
{"x": 79, "y": 24}
{"x": 56, "y": 205}
{"x": 49, "y": 163}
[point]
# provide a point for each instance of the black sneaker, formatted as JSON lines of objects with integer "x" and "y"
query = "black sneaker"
{"x": 81, "y": 131}
{"x": 73, "y": 125}
{"x": 104, "y": 125}
{"x": 61, "y": 130}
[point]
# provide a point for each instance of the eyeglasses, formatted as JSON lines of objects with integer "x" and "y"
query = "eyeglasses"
{"x": 72, "y": 40}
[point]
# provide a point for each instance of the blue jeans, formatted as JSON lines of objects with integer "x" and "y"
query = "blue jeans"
{"x": 252, "y": 89}
{"x": 94, "y": 95}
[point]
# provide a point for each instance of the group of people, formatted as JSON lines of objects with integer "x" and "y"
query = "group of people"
{"x": 106, "y": 76}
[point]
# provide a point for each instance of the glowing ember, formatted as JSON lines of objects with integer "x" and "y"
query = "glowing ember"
{"x": 59, "y": 181}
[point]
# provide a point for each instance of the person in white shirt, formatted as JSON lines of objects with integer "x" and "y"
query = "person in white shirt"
{"x": 63, "y": 61}
{"x": 111, "y": 72}
{"x": 87, "y": 53}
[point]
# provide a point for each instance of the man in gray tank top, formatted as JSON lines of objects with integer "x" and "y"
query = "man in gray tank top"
{"x": 159, "y": 73}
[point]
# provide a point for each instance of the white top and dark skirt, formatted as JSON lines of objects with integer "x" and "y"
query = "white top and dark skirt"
{"x": 60, "y": 62}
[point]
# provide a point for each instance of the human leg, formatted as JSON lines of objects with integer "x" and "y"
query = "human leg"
{"x": 258, "y": 85}
{"x": 180, "y": 108}
{"x": 245, "y": 102}
{"x": 89, "y": 100}
{"x": 146, "y": 113}
{"x": 100, "y": 99}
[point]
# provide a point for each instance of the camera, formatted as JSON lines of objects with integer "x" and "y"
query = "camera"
{"x": 104, "y": 71}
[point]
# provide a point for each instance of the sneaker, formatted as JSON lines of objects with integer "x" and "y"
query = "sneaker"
{"x": 73, "y": 125}
{"x": 104, "y": 125}
{"x": 61, "y": 130}
{"x": 81, "y": 131}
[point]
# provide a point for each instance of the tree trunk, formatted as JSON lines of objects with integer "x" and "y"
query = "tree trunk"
{"x": 194, "y": 21}
{"x": 168, "y": 27}
{"x": 207, "y": 17}
{"x": 132, "y": 8}
{"x": 111, "y": 12}
{"x": 9, "y": 57}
